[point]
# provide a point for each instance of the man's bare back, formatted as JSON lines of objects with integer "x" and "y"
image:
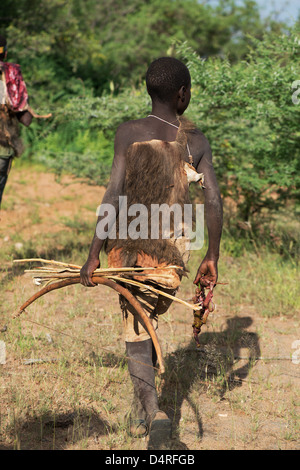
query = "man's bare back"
{"x": 150, "y": 128}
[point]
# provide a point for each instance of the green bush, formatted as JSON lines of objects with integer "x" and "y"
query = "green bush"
{"x": 247, "y": 113}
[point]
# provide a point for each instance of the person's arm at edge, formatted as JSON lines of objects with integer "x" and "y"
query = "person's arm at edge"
{"x": 208, "y": 270}
{"x": 25, "y": 118}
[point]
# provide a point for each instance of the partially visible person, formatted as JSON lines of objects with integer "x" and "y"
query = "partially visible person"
{"x": 13, "y": 111}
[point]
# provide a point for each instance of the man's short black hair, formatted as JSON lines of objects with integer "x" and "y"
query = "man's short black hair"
{"x": 165, "y": 76}
{"x": 3, "y": 44}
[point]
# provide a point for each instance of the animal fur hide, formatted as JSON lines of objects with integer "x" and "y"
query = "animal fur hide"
{"x": 10, "y": 130}
{"x": 155, "y": 174}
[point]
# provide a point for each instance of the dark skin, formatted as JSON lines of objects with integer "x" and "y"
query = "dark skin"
{"x": 147, "y": 129}
{"x": 25, "y": 118}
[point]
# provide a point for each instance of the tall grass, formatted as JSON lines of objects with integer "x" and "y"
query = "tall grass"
{"x": 255, "y": 277}
{"x": 79, "y": 400}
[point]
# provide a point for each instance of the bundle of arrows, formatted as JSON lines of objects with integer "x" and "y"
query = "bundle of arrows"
{"x": 55, "y": 275}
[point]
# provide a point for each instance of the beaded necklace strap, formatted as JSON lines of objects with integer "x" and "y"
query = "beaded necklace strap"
{"x": 173, "y": 125}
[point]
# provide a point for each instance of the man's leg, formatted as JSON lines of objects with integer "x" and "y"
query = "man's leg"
{"x": 5, "y": 164}
{"x": 145, "y": 402}
{"x": 141, "y": 365}
{"x": 139, "y": 351}
{"x": 141, "y": 362}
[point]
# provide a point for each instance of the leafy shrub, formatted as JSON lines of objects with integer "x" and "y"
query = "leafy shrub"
{"x": 247, "y": 113}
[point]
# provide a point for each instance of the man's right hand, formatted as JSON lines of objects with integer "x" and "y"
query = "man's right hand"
{"x": 207, "y": 273}
{"x": 87, "y": 270}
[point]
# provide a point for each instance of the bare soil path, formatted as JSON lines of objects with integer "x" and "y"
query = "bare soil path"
{"x": 239, "y": 390}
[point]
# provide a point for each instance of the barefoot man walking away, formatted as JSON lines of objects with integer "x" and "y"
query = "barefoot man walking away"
{"x": 149, "y": 169}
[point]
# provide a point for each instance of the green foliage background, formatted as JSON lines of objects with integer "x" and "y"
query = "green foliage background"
{"x": 85, "y": 61}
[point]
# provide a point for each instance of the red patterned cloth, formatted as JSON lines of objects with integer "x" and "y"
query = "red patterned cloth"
{"x": 16, "y": 88}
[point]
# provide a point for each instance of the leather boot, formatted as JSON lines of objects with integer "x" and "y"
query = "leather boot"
{"x": 142, "y": 359}
{"x": 142, "y": 374}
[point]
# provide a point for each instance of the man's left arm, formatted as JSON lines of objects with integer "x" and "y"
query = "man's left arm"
{"x": 208, "y": 270}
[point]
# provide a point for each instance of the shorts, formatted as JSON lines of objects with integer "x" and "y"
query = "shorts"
{"x": 154, "y": 304}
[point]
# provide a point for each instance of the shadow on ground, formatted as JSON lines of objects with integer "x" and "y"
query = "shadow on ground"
{"x": 58, "y": 432}
{"x": 215, "y": 363}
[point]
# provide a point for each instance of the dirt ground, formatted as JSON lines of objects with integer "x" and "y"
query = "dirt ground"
{"x": 239, "y": 390}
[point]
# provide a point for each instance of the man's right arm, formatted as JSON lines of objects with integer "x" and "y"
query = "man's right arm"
{"x": 111, "y": 196}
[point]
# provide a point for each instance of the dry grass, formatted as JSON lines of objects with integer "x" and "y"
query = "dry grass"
{"x": 240, "y": 390}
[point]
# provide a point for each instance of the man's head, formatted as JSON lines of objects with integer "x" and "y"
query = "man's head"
{"x": 3, "y": 47}
{"x": 165, "y": 77}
